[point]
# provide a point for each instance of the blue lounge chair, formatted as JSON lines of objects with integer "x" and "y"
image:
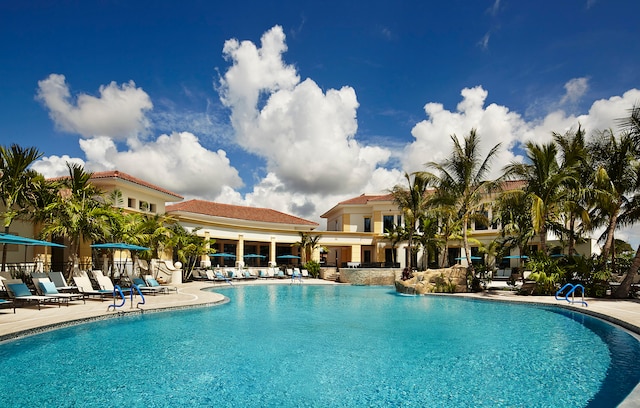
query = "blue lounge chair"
{"x": 8, "y": 303}
{"x": 47, "y": 288}
{"x": 145, "y": 288}
{"x": 19, "y": 292}
{"x": 153, "y": 283}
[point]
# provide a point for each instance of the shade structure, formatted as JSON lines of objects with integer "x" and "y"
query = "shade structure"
{"x": 18, "y": 240}
{"x": 120, "y": 245}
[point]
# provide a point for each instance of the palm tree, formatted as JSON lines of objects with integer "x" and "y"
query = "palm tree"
{"x": 546, "y": 181}
{"x": 576, "y": 159}
{"x": 395, "y": 236}
{"x": 307, "y": 244}
{"x": 78, "y": 213}
{"x": 18, "y": 185}
{"x": 411, "y": 201}
{"x": 512, "y": 211}
{"x": 460, "y": 182}
{"x": 631, "y": 215}
{"x": 617, "y": 178}
{"x": 428, "y": 237}
{"x": 189, "y": 247}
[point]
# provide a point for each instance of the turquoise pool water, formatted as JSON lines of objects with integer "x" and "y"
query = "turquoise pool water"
{"x": 326, "y": 346}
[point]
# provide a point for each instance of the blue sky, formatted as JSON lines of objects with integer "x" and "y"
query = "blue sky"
{"x": 300, "y": 105}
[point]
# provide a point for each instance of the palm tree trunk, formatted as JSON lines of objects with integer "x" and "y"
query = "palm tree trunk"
{"x": 608, "y": 245}
{"x": 625, "y": 286}
{"x": 4, "y": 251}
{"x": 572, "y": 238}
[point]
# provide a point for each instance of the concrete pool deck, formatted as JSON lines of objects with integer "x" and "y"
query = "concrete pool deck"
{"x": 30, "y": 320}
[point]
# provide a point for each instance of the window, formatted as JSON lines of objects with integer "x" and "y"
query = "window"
{"x": 367, "y": 256}
{"x": 144, "y": 206}
{"x": 367, "y": 224}
{"x": 131, "y": 203}
{"x": 152, "y": 208}
{"x": 398, "y": 219}
{"x": 387, "y": 222}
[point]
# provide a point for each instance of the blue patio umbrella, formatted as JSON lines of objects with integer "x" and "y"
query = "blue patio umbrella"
{"x": 473, "y": 258}
{"x": 18, "y": 240}
{"x": 223, "y": 255}
{"x": 288, "y": 257}
{"x": 254, "y": 256}
{"x": 516, "y": 257}
{"x": 120, "y": 245}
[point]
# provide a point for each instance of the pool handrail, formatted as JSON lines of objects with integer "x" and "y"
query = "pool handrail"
{"x": 117, "y": 291}
{"x": 571, "y": 292}
{"x": 137, "y": 289}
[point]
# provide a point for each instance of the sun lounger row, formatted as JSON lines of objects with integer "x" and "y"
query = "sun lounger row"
{"x": 52, "y": 289}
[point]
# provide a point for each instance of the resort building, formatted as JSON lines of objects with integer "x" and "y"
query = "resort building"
{"x": 257, "y": 237}
{"x": 250, "y": 236}
{"x": 356, "y": 236}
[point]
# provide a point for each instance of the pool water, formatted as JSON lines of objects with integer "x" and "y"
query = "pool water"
{"x": 327, "y": 346}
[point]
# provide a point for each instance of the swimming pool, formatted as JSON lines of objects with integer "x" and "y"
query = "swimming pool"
{"x": 321, "y": 346}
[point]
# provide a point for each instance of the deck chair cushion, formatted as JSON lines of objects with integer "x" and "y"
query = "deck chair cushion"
{"x": 48, "y": 288}
{"x": 19, "y": 289}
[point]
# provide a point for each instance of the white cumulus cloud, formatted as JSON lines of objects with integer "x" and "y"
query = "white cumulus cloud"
{"x": 119, "y": 111}
{"x": 305, "y": 134}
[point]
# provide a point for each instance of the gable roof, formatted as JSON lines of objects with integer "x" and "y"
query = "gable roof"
{"x": 364, "y": 199}
{"x": 115, "y": 174}
{"x": 238, "y": 212}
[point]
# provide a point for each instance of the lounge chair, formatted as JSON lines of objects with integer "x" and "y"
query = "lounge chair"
{"x": 19, "y": 292}
{"x": 153, "y": 283}
{"x": 84, "y": 286}
{"x": 305, "y": 273}
{"x": 58, "y": 279}
{"x": 279, "y": 274}
{"x": 8, "y": 303}
{"x": 144, "y": 288}
{"x": 47, "y": 288}
{"x": 106, "y": 284}
{"x": 217, "y": 276}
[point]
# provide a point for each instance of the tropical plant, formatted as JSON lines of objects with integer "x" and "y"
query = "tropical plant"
{"x": 428, "y": 239}
{"x": 631, "y": 126}
{"x": 460, "y": 182}
{"x": 395, "y": 236}
{"x": 307, "y": 244}
{"x": 617, "y": 179}
{"x": 78, "y": 214}
{"x": 313, "y": 267}
{"x": 575, "y": 159}
{"x": 546, "y": 272}
{"x": 411, "y": 201}
{"x": 18, "y": 185}
{"x": 188, "y": 247}
{"x": 545, "y": 187}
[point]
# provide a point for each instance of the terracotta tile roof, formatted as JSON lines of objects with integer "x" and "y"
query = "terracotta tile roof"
{"x": 237, "y": 212}
{"x": 363, "y": 199}
{"x": 130, "y": 178}
{"x": 124, "y": 176}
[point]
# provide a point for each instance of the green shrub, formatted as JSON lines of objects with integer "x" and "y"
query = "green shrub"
{"x": 313, "y": 267}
